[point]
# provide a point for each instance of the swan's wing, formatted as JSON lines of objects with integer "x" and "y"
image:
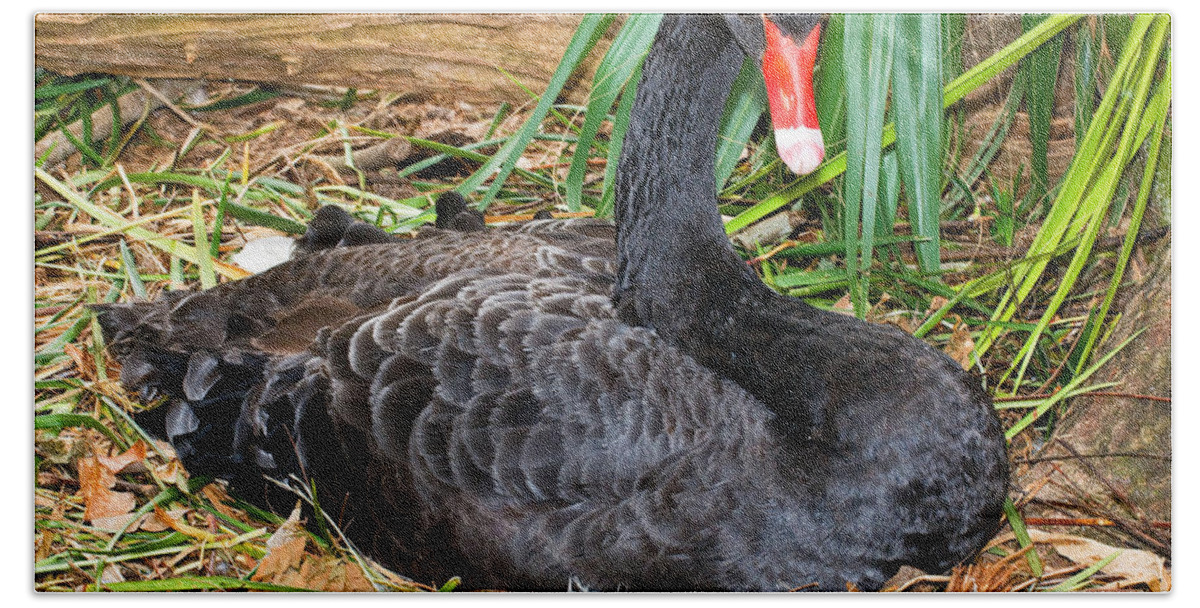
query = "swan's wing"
{"x": 452, "y": 415}
{"x": 550, "y": 439}
{"x": 210, "y": 351}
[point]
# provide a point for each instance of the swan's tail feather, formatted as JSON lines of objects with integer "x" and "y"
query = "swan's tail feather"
{"x": 230, "y": 412}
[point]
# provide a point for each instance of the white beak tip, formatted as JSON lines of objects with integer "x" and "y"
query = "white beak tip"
{"x": 801, "y": 148}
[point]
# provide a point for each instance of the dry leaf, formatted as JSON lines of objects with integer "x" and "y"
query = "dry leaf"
{"x": 112, "y": 574}
{"x": 1132, "y": 566}
{"x": 961, "y": 345}
{"x": 116, "y": 523}
{"x": 83, "y": 361}
{"x": 172, "y": 473}
{"x": 281, "y": 564}
{"x": 116, "y": 464}
{"x": 165, "y": 448}
{"x": 285, "y": 551}
{"x": 95, "y": 486}
{"x": 179, "y": 524}
{"x": 770, "y": 229}
{"x": 215, "y": 493}
{"x": 44, "y": 547}
{"x": 153, "y": 524}
{"x": 935, "y": 304}
{"x": 878, "y": 312}
{"x": 287, "y": 563}
{"x": 844, "y": 305}
{"x": 291, "y": 528}
{"x": 59, "y": 450}
{"x": 333, "y": 574}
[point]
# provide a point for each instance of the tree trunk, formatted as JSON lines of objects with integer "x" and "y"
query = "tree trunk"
{"x": 455, "y": 57}
{"x": 1111, "y": 456}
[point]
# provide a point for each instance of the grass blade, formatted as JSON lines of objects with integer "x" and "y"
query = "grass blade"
{"x": 1077, "y": 581}
{"x": 1085, "y": 75}
{"x": 746, "y": 104}
{"x": 619, "y": 63}
{"x": 829, "y": 80}
{"x": 129, "y": 265}
{"x": 58, "y": 422}
{"x": 198, "y": 583}
{"x": 112, "y": 220}
{"x": 616, "y": 141}
{"x": 1039, "y": 72}
{"x": 499, "y": 166}
{"x": 868, "y": 45}
{"x": 1087, "y": 163}
{"x": 984, "y": 71}
{"x": 889, "y": 199}
{"x": 1022, "y": 534}
{"x": 954, "y": 30}
{"x": 51, "y": 91}
{"x": 208, "y": 279}
{"x": 1157, "y": 113}
{"x": 989, "y": 146}
{"x": 255, "y": 95}
{"x": 1066, "y": 390}
{"x": 215, "y": 187}
{"x": 918, "y": 117}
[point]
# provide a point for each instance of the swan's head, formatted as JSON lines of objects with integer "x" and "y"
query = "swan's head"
{"x": 787, "y": 47}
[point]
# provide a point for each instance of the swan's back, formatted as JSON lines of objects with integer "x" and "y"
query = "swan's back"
{"x": 469, "y": 404}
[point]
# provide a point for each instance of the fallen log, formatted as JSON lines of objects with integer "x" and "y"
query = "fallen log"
{"x": 447, "y": 56}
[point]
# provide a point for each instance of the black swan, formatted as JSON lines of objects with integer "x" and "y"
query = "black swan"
{"x": 529, "y": 406}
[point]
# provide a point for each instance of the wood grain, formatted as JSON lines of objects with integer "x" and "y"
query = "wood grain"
{"x": 445, "y": 56}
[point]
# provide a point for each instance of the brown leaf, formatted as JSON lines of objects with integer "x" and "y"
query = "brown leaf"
{"x": 844, "y": 305}
{"x": 112, "y": 574}
{"x": 164, "y": 448}
{"x": 95, "y": 486}
{"x": 116, "y": 523}
{"x": 285, "y": 552}
{"x": 961, "y": 345}
{"x": 179, "y": 524}
{"x": 935, "y": 304}
{"x": 215, "y": 493}
{"x": 878, "y": 312}
{"x": 44, "y": 547}
{"x": 153, "y": 524}
{"x": 173, "y": 473}
{"x": 83, "y": 361}
{"x": 59, "y": 450}
{"x": 116, "y": 464}
{"x": 1131, "y": 567}
{"x": 292, "y": 528}
{"x": 287, "y": 563}
{"x": 333, "y": 574}
{"x": 282, "y": 564}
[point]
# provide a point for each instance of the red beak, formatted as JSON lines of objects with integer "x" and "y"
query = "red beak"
{"x": 787, "y": 72}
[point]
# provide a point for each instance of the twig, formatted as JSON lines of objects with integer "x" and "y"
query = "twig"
{"x": 1086, "y": 522}
{"x": 1106, "y": 455}
{"x": 141, "y": 82}
{"x": 1093, "y": 393}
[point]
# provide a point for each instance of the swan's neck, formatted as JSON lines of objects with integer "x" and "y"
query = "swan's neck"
{"x": 673, "y": 255}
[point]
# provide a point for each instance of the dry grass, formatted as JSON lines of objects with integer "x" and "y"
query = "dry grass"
{"x": 140, "y": 523}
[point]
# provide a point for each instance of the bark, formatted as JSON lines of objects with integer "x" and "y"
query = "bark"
{"x": 1111, "y": 456}
{"x": 445, "y": 56}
